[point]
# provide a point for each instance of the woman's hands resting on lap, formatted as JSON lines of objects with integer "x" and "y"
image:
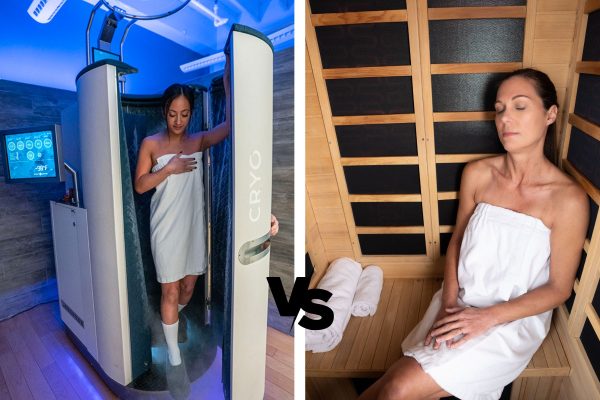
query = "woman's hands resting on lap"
{"x": 454, "y": 321}
{"x": 430, "y": 337}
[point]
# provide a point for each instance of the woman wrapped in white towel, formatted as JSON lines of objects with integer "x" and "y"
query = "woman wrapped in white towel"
{"x": 512, "y": 258}
{"x": 171, "y": 162}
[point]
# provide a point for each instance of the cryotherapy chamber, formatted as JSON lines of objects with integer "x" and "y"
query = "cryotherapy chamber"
{"x": 227, "y": 316}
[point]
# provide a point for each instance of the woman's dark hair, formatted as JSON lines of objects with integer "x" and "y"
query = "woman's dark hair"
{"x": 174, "y": 91}
{"x": 547, "y": 92}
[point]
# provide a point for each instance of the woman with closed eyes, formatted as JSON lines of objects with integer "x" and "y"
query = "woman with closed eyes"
{"x": 512, "y": 259}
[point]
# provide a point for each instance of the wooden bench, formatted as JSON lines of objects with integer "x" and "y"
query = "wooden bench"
{"x": 371, "y": 344}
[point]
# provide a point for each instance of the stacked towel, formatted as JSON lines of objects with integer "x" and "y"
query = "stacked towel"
{"x": 341, "y": 280}
{"x": 368, "y": 292}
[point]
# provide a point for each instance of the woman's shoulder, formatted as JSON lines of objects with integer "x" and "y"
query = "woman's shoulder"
{"x": 567, "y": 195}
{"x": 152, "y": 142}
{"x": 154, "y": 139}
{"x": 483, "y": 167}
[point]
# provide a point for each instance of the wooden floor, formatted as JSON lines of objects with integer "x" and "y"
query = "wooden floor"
{"x": 371, "y": 344}
{"x": 38, "y": 361}
{"x": 280, "y": 366}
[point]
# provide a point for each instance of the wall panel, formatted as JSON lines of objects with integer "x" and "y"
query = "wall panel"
{"x": 591, "y": 50}
{"x": 589, "y": 340}
{"x": 587, "y": 104}
{"x": 27, "y": 271}
{"x": 384, "y": 179}
{"x": 342, "y": 6}
{"x": 392, "y": 244}
{"x": 464, "y": 92}
{"x": 466, "y": 137}
{"x": 387, "y": 214}
{"x": 368, "y": 96}
{"x": 584, "y": 153}
{"x": 377, "y": 140}
{"x": 476, "y": 40}
{"x": 359, "y": 45}
{"x": 474, "y": 3}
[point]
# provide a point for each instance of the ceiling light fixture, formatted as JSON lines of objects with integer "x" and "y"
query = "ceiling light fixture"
{"x": 217, "y": 21}
{"x": 44, "y": 10}
{"x": 281, "y": 36}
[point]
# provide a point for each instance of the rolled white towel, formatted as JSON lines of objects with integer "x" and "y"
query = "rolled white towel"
{"x": 340, "y": 279}
{"x": 368, "y": 292}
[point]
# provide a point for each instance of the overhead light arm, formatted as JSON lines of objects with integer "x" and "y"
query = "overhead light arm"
{"x": 88, "y": 48}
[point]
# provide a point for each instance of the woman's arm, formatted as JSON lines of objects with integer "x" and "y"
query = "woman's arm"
{"x": 566, "y": 241}
{"x": 466, "y": 206}
{"x": 146, "y": 180}
{"x": 221, "y": 131}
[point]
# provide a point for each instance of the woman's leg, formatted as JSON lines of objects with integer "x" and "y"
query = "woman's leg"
{"x": 170, "y": 319}
{"x": 403, "y": 381}
{"x": 186, "y": 289}
{"x": 168, "y": 302}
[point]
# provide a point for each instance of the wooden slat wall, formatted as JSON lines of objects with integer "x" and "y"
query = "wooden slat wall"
{"x": 553, "y": 44}
{"x": 583, "y": 383}
{"x": 327, "y": 236}
{"x": 314, "y": 242}
{"x": 320, "y": 102}
{"x": 548, "y": 46}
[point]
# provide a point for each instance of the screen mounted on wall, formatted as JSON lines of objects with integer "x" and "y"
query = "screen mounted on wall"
{"x": 32, "y": 154}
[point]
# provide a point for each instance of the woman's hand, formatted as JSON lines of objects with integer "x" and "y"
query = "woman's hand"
{"x": 430, "y": 337}
{"x": 179, "y": 165}
{"x": 274, "y": 225}
{"x": 467, "y": 322}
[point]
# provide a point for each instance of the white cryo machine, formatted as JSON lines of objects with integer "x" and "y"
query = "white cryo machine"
{"x": 252, "y": 130}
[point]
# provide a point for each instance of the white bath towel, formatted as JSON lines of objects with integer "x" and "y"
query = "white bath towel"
{"x": 503, "y": 255}
{"x": 368, "y": 292}
{"x": 340, "y": 279}
{"x": 177, "y": 227}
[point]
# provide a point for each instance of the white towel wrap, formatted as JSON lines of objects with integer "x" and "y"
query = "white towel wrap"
{"x": 340, "y": 279}
{"x": 368, "y": 292}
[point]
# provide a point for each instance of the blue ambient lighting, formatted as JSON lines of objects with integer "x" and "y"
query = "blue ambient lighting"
{"x": 52, "y": 54}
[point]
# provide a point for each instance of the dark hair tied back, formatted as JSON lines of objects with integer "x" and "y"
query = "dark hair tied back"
{"x": 547, "y": 92}
{"x": 174, "y": 91}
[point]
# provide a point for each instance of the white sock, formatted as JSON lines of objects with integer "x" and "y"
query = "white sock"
{"x": 180, "y": 307}
{"x": 172, "y": 346}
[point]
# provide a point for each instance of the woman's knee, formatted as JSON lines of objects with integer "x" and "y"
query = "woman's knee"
{"x": 170, "y": 293}
{"x": 403, "y": 381}
{"x": 186, "y": 288}
{"x": 395, "y": 389}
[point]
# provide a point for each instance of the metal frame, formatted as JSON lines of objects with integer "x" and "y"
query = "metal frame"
{"x": 134, "y": 19}
{"x": 208, "y": 196}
